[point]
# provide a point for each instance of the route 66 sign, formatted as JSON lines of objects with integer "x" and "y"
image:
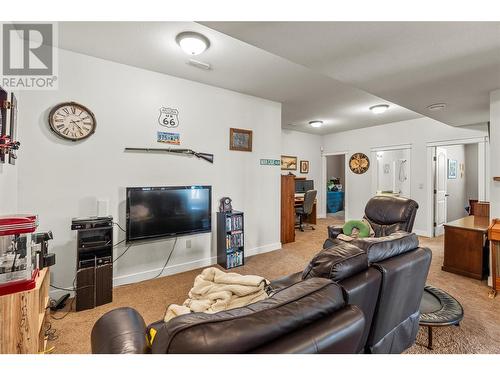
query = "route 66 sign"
{"x": 169, "y": 117}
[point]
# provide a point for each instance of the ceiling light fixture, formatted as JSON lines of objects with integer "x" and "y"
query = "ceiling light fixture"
{"x": 379, "y": 108}
{"x": 436, "y": 106}
{"x": 192, "y": 43}
{"x": 316, "y": 123}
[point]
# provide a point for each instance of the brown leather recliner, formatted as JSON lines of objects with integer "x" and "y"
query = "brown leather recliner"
{"x": 306, "y": 317}
{"x": 389, "y": 287}
{"x": 386, "y": 215}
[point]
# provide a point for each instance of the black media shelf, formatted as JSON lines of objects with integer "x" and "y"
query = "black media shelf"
{"x": 230, "y": 239}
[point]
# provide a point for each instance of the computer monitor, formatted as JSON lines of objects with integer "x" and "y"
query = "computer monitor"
{"x": 301, "y": 186}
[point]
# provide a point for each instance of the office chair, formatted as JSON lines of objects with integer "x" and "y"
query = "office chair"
{"x": 306, "y": 208}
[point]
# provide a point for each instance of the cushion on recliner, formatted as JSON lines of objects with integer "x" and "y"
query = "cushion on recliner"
{"x": 337, "y": 262}
{"x": 244, "y": 329}
{"x": 380, "y": 248}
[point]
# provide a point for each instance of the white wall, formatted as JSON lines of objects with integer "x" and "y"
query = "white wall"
{"x": 59, "y": 180}
{"x": 416, "y": 132}
{"x": 8, "y": 188}
{"x": 494, "y": 153}
{"x": 456, "y": 188}
{"x": 306, "y": 147}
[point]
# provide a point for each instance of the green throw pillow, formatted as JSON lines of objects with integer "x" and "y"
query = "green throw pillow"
{"x": 364, "y": 229}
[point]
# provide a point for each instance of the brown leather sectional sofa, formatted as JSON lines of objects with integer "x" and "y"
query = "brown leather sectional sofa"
{"x": 356, "y": 297}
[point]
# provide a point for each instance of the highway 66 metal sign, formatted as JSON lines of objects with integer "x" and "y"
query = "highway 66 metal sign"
{"x": 169, "y": 117}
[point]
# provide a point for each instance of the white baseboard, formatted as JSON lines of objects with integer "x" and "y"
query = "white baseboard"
{"x": 188, "y": 266}
{"x": 174, "y": 269}
{"x": 421, "y": 233}
{"x": 321, "y": 216}
{"x": 263, "y": 249}
{"x": 170, "y": 270}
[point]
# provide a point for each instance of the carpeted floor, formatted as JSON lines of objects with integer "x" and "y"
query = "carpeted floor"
{"x": 479, "y": 332}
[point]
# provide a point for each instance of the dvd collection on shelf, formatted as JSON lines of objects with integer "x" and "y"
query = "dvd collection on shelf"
{"x": 230, "y": 239}
{"x": 234, "y": 223}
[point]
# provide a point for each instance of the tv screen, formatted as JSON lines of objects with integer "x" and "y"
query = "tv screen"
{"x": 155, "y": 212}
{"x": 301, "y": 186}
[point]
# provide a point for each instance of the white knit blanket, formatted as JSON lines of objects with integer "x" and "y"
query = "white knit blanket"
{"x": 215, "y": 290}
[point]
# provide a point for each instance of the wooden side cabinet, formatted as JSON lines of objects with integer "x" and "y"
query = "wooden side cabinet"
{"x": 287, "y": 208}
{"x": 494, "y": 237}
{"x": 22, "y": 318}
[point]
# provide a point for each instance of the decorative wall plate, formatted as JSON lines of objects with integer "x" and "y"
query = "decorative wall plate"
{"x": 359, "y": 163}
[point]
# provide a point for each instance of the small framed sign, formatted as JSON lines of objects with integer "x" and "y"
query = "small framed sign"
{"x": 452, "y": 169}
{"x": 170, "y": 138}
{"x": 304, "y": 166}
{"x": 169, "y": 117}
{"x": 240, "y": 139}
{"x": 270, "y": 162}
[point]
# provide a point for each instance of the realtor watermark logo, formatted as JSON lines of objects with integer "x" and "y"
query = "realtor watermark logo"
{"x": 29, "y": 56}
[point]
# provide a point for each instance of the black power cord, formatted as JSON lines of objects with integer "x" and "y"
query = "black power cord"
{"x": 165, "y": 265}
{"x": 122, "y": 254}
{"x": 118, "y": 225}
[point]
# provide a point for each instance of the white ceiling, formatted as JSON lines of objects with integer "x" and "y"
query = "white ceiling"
{"x": 413, "y": 64}
{"x": 305, "y": 94}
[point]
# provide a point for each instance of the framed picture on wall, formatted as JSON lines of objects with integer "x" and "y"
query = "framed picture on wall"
{"x": 304, "y": 166}
{"x": 288, "y": 163}
{"x": 452, "y": 169}
{"x": 240, "y": 139}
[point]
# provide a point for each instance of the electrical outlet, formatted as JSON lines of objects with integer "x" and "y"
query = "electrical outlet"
{"x": 188, "y": 244}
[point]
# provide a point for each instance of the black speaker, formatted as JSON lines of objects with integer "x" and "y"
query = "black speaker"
{"x": 104, "y": 283}
{"x": 94, "y": 277}
{"x": 85, "y": 288}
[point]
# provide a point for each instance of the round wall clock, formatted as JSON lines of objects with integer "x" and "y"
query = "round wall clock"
{"x": 72, "y": 121}
{"x": 359, "y": 163}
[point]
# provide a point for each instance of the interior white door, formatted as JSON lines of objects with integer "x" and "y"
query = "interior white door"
{"x": 440, "y": 190}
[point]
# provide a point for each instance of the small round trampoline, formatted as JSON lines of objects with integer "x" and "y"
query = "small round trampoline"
{"x": 438, "y": 309}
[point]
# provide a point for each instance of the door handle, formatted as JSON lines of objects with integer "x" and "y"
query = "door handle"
{"x": 447, "y": 195}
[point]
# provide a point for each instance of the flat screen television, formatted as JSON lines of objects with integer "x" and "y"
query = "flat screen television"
{"x": 301, "y": 186}
{"x": 170, "y": 211}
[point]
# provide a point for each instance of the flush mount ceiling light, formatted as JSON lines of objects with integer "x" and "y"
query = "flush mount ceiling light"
{"x": 436, "y": 106}
{"x": 380, "y": 108}
{"x": 192, "y": 43}
{"x": 316, "y": 123}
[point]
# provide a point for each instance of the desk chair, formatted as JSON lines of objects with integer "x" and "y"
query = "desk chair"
{"x": 306, "y": 208}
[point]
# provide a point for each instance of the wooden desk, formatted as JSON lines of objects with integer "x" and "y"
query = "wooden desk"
{"x": 466, "y": 247}
{"x": 288, "y": 204}
{"x": 311, "y": 218}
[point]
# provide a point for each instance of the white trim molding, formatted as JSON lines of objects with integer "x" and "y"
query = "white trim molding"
{"x": 392, "y": 147}
{"x": 483, "y": 171}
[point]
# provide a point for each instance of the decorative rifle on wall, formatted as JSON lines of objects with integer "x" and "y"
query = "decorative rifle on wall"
{"x": 182, "y": 151}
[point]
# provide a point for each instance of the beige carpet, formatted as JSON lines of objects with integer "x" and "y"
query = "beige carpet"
{"x": 479, "y": 332}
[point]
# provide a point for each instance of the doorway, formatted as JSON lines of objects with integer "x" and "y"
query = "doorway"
{"x": 459, "y": 171}
{"x": 335, "y": 186}
{"x": 391, "y": 171}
